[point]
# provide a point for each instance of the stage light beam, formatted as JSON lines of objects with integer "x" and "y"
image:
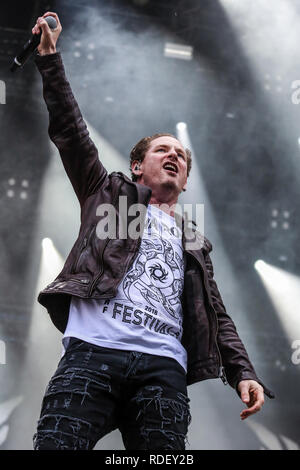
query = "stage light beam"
{"x": 283, "y": 289}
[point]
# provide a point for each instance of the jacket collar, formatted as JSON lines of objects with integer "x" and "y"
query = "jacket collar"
{"x": 192, "y": 239}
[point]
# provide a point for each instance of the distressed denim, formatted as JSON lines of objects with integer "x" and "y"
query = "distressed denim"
{"x": 96, "y": 390}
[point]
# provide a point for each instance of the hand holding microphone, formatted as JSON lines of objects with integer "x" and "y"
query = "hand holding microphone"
{"x": 44, "y": 37}
{"x": 49, "y": 36}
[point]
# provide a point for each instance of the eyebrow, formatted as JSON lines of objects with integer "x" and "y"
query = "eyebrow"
{"x": 178, "y": 149}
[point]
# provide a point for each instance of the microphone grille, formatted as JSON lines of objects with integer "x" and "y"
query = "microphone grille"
{"x": 52, "y": 23}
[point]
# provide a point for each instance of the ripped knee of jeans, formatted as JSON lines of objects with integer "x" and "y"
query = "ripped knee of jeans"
{"x": 62, "y": 432}
{"x": 76, "y": 381}
{"x": 163, "y": 419}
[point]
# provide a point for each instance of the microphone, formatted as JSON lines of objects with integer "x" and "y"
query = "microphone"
{"x": 31, "y": 45}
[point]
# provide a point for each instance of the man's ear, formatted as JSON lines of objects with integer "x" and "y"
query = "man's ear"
{"x": 135, "y": 167}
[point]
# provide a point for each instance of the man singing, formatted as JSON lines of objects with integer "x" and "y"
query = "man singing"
{"x": 141, "y": 316}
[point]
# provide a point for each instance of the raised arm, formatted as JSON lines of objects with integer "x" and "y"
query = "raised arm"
{"x": 67, "y": 128}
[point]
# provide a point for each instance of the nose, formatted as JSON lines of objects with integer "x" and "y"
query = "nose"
{"x": 173, "y": 153}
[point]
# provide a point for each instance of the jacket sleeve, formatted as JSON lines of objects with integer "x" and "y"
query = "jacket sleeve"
{"x": 68, "y": 130}
{"x": 234, "y": 355}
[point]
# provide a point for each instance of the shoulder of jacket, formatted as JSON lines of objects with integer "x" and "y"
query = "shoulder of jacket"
{"x": 117, "y": 174}
{"x": 120, "y": 174}
{"x": 205, "y": 243}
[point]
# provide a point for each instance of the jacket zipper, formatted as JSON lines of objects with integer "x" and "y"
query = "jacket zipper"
{"x": 99, "y": 274}
{"x": 95, "y": 281}
{"x": 83, "y": 246}
{"x": 222, "y": 374}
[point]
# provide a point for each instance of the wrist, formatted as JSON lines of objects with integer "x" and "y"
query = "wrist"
{"x": 51, "y": 50}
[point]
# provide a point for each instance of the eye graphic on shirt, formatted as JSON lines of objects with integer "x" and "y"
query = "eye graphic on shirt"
{"x": 158, "y": 273}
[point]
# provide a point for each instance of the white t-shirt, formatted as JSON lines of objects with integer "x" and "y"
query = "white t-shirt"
{"x": 146, "y": 314}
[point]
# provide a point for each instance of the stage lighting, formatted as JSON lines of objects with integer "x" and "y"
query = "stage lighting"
{"x": 178, "y": 51}
{"x": 47, "y": 243}
{"x": 259, "y": 264}
{"x": 283, "y": 289}
{"x": 181, "y": 126}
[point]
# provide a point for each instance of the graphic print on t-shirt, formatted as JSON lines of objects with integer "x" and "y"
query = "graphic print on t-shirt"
{"x": 157, "y": 276}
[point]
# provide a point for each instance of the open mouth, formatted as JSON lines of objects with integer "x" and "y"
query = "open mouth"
{"x": 170, "y": 167}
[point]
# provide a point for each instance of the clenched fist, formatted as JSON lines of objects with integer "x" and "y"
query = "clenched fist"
{"x": 49, "y": 36}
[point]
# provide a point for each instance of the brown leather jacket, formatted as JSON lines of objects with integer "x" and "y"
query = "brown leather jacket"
{"x": 94, "y": 267}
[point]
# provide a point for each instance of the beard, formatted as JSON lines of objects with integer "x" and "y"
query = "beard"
{"x": 169, "y": 185}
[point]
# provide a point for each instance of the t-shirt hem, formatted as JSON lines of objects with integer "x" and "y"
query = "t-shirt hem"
{"x": 121, "y": 346}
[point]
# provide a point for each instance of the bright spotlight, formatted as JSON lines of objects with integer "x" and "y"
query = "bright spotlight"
{"x": 283, "y": 289}
{"x": 259, "y": 264}
{"x": 181, "y": 126}
{"x": 52, "y": 261}
{"x": 47, "y": 243}
{"x": 178, "y": 51}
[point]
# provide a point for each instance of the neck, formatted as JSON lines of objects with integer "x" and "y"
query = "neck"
{"x": 166, "y": 206}
{"x": 165, "y": 198}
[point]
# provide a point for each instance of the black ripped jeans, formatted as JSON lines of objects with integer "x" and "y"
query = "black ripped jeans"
{"x": 96, "y": 390}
